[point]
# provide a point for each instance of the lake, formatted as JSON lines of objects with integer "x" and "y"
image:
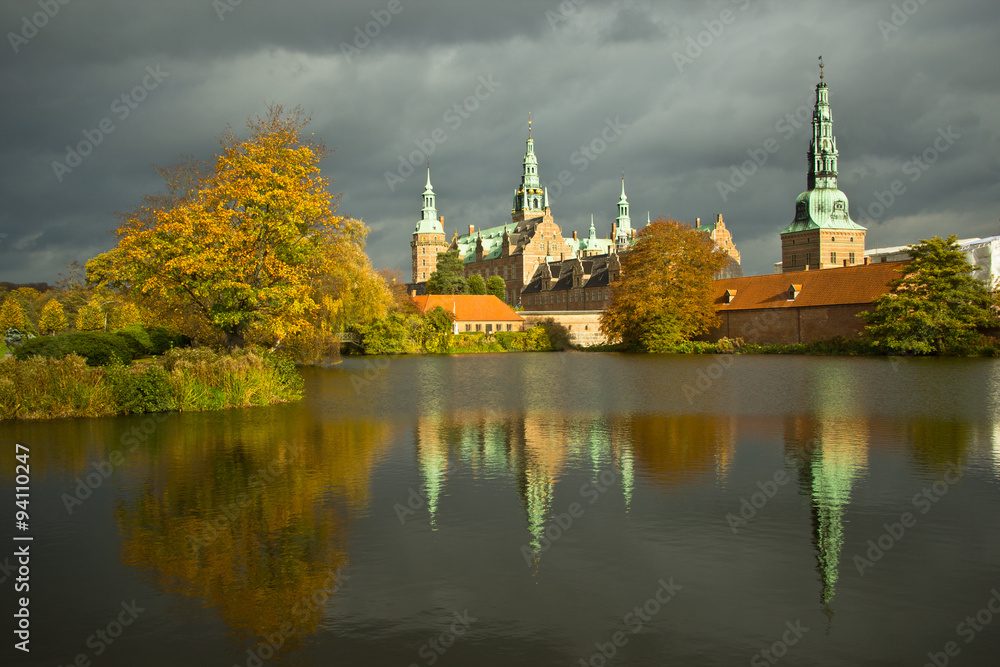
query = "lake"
{"x": 527, "y": 509}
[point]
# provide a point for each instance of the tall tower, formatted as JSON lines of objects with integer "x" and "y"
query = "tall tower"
{"x": 822, "y": 235}
{"x": 428, "y": 237}
{"x": 530, "y": 200}
{"x": 623, "y": 223}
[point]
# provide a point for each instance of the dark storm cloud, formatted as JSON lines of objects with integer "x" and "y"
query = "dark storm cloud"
{"x": 693, "y": 89}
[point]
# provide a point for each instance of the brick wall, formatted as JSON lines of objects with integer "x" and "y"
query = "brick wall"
{"x": 790, "y": 325}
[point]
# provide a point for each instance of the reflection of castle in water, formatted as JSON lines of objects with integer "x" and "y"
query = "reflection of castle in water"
{"x": 830, "y": 455}
{"x": 535, "y": 448}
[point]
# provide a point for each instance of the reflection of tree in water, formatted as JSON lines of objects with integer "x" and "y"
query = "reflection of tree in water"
{"x": 252, "y": 529}
{"x": 830, "y": 455}
{"x": 939, "y": 445}
{"x": 673, "y": 450}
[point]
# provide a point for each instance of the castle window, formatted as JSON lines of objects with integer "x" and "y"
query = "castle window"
{"x": 851, "y": 258}
{"x": 833, "y": 258}
{"x": 852, "y": 239}
{"x": 792, "y": 262}
{"x": 808, "y": 258}
{"x": 479, "y": 327}
{"x": 833, "y": 239}
{"x": 468, "y": 327}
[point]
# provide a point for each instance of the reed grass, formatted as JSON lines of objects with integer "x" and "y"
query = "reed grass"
{"x": 183, "y": 379}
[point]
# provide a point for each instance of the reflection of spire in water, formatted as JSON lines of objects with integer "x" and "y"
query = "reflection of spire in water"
{"x": 725, "y": 453}
{"x": 621, "y": 443}
{"x": 432, "y": 454}
{"x": 831, "y": 456}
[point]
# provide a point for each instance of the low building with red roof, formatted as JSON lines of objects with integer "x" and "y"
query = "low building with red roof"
{"x": 800, "y": 307}
{"x": 482, "y": 313}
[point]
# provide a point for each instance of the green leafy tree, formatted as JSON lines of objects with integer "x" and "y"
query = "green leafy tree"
{"x": 476, "y": 284}
{"x": 438, "y": 329}
{"x": 497, "y": 287}
{"x": 664, "y": 295}
{"x": 90, "y": 317}
{"x": 449, "y": 276}
{"x": 53, "y": 318}
{"x": 12, "y": 316}
{"x": 935, "y": 306}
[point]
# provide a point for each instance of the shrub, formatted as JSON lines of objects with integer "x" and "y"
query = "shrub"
{"x": 137, "y": 339}
{"x": 163, "y": 339}
{"x": 140, "y": 389}
{"x": 98, "y": 348}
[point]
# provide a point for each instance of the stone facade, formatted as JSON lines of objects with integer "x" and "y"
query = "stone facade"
{"x": 531, "y": 248}
{"x": 584, "y": 326}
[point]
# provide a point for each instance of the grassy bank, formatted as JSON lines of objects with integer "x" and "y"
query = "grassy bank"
{"x": 182, "y": 379}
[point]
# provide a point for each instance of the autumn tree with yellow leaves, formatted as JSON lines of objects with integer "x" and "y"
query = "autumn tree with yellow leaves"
{"x": 664, "y": 295}
{"x": 232, "y": 253}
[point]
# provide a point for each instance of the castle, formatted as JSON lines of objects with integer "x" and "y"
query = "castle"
{"x": 573, "y": 273}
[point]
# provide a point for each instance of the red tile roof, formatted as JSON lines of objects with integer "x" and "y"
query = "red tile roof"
{"x": 468, "y": 307}
{"x": 848, "y": 285}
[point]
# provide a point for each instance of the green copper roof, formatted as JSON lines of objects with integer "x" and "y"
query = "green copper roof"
{"x": 822, "y": 205}
{"x": 822, "y": 208}
{"x": 429, "y": 222}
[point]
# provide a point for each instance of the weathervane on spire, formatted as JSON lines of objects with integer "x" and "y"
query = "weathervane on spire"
{"x": 821, "y": 66}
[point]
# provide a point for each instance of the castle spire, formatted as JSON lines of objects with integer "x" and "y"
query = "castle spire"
{"x": 823, "y": 147}
{"x": 623, "y": 223}
{"x": 530, "y": 197}
{"x": 429, "y": 222}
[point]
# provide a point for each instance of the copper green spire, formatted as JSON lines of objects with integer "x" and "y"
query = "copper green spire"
{"x": 530, "y": 196}
{"x": 823, "y": 147}
{"x": 429, "y": 222}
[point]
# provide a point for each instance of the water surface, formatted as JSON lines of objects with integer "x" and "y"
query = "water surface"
{"x": 530, "y": 509}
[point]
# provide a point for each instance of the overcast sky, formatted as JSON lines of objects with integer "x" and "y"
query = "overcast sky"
{"x": 679, "y": 95}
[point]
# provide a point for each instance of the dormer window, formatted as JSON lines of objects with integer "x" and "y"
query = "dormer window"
{"x": 729, "y": 296}
{"x": 793, "y": 291}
